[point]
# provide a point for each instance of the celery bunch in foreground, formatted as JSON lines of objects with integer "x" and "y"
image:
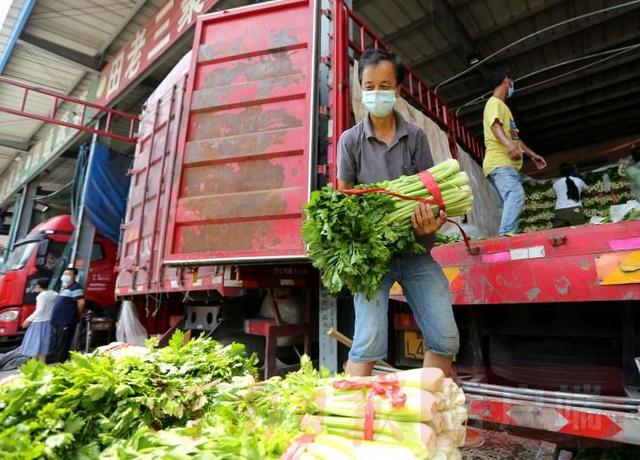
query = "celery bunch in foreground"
{"x": 352, "y": 238}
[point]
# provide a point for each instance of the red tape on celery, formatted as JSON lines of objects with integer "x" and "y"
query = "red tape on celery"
{"x": 297, "y": 447}
{"x": 434, "y": 189}
{"x": 386, "y": 387}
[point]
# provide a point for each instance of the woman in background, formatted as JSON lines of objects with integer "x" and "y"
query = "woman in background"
{"x": 569, "y": 190}
{"x": 37, "y": 339}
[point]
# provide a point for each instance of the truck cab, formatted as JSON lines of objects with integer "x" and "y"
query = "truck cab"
{"x": 40, "y": 255}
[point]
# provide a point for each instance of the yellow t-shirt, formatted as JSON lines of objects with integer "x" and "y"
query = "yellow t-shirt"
{"x": 497, "y": 155}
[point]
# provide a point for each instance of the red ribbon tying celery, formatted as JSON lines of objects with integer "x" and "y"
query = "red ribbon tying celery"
{"x": 387, "y": 387}
{"x": 434, "y": 189}
{"x": 297, "y": 447}
{"x": 430, "y": 184}
{"x": 384, "y": 191}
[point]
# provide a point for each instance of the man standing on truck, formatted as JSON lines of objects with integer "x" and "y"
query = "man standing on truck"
{"x": 382, "y": 147}
{"x": 504, "y": 152}
{"x": 67, "y": 311}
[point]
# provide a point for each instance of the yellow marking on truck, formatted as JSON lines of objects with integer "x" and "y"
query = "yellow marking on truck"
{"x": 618, "y": 268}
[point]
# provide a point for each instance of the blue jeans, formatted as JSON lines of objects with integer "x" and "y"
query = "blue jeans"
{"x": 427, "y": 291}
{"x": 506, "y": 181}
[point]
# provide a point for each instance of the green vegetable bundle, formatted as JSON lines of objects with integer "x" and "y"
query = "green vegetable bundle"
{"x": 76, "y": 409}
{"x": 244, "y": 420}
{"x": 352, "y": 238}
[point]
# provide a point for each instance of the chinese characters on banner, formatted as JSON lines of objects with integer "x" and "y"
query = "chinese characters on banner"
{"x": 168, "y": 24}
{"x": 163, "y": 29}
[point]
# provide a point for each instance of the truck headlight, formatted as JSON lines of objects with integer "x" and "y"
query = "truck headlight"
{"x": 10, "y": 315}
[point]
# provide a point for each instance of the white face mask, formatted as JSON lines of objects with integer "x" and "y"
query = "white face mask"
{"x": 66, "y": 280}
{"x": 379, "y": 102}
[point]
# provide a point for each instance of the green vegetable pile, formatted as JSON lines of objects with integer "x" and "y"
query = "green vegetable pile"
{"x": 246, "y": 420}
{"x": 243, "y": 421}
{"x": 79, "y": 408}
{"x": 200, "y": 400}
{"x": 352, "y": 238}
{"x": 606, "y": 188}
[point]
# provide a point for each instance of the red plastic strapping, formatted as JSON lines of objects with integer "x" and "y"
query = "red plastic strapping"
{"x": 297, "y": 447}
{"x": 369, "y": 416}
{"x": 386, "y": 387}
{"x": 430, "y": 184}
{"x": 384, "y": 191}
{"x": 434, "y": 189}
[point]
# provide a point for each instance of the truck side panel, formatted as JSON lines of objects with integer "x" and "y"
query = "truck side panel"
{"x": 246, "y": 149}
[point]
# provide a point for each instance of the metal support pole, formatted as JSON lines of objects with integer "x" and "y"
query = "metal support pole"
{"x": 85, "y": 230}
{"x": 22, "y": 213}
{"x": 13, "y": 229}
{"x": 84, "y": 234}
{"x": 327, "y": 319}
{"x": 26, "y": 213}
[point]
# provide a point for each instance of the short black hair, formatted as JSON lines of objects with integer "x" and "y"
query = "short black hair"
{"x": 372, "y": 57}
{"x": 497, "y": 76}
{"x": 72, "y": 269}
{"x": 43, "y": 283}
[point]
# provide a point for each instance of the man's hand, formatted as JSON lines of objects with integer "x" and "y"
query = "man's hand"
{"x": 515, "y": 152}
{"x": 26, "y": 324}
{"x": 424, "y": 222}
{"x": 539, "y": 161}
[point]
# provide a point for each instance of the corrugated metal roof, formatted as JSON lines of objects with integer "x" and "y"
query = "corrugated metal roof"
{"x": 568, "y": 105}
{"x": 89, "y": 27}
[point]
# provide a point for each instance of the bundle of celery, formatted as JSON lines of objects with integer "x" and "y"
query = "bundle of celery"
{"x": 247, "y": 420}
{"x": 352, "y": 238}
{"x": 429, "y": 424}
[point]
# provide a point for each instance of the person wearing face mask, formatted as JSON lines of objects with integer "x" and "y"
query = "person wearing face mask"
{"x": 67, "y": 311}
{"x": 505, "y": 151}
{"x": 382, "y": 147}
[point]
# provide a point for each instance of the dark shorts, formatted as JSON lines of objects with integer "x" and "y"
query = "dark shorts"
{"x": 569, "y": 217}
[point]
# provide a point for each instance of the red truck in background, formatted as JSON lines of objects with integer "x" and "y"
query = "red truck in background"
{"x": 37, "y": 256}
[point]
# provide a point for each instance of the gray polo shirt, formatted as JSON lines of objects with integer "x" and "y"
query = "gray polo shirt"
{"x": 363, "y": 159}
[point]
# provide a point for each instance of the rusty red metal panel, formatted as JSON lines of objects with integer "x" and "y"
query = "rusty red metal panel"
{"x": 559, "y": 265}
{"x": 144, "y": 230}
{"x": 246, "y": 161}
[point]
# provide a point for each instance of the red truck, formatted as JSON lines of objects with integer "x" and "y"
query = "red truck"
{"x": 230, "y": 146}
{"x": 37, "y": 256}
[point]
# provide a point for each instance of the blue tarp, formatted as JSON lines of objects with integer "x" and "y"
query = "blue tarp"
{"x": 107, "y": 191}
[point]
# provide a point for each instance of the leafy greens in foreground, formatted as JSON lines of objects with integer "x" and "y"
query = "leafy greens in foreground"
{"x": 78, "y": 408}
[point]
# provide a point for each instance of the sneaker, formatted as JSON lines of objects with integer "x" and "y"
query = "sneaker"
{"x": 509, "y": 234}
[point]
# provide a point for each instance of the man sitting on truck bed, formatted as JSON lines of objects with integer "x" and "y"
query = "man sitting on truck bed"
{"x": 504, "y": 152}
{"x": 382, "y": 147}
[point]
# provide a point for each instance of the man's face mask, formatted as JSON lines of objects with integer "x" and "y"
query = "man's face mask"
{"x": 379, "y": 102}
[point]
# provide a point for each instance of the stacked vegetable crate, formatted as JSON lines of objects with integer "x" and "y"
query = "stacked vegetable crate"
{"x": 607, "y": 187}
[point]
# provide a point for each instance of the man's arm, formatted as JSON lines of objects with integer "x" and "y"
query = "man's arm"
{"x": 514, "y": 150}
{"x": 537, "y": 159}
{"x": 346, "y": 164}
{"x": 345, "y": 184}
{"x": 423, "y": 220}
{"x": 80, "y": 304}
